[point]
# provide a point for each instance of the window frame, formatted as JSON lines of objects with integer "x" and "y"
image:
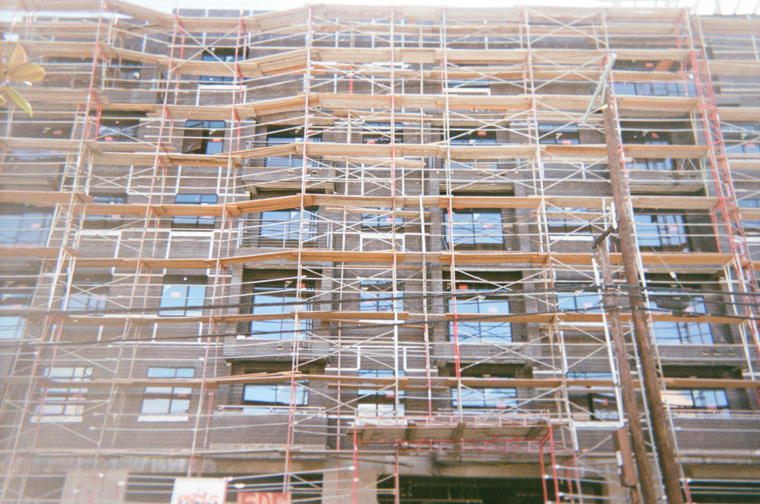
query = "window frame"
{"x": 662, "y": 240}
{"x": 283, "y": 328}
{"x": 282, "y": 228}
{"x": 194, "y": 221}
{"x": 383, "y": 299}
{"x": 209, "y": 135}
{"x": 474, "y": 235}
{"x": 63, "y": 404}
{"x": 482, "y": 330}
{"x": 198, "y": 283}
{"x": 23, "y": 227}
{"x": 176, "y": 400}
{"x": 552, "y": 134}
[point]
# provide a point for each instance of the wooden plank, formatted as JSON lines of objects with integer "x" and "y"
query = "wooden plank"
{"x": 49, "y": 198}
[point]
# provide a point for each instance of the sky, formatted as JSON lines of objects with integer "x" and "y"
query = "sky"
{"x": 703, "y": 6}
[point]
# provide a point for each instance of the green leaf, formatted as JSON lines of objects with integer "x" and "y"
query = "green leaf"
{"x": 16, "y": 59}
{"x": 16, "y": 98}
{"x": 27, "y": 72}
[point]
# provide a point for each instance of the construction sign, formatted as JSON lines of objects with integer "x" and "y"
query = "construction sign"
{"x": 263, "y": 498}
{"x": 199, "y": 491}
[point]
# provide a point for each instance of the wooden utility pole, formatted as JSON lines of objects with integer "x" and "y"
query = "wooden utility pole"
{"x": 628, "y": 392}
{"x": 662, "y": 441}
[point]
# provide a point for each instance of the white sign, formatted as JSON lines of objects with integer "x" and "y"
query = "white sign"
{"x": 199, "y": 491}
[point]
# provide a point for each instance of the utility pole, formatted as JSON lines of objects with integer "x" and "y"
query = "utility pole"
{"x": 630, "y": 406}
{"x": 662, "y": 441}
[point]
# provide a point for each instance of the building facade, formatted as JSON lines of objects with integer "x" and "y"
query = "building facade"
{"x": 346, "y": 253}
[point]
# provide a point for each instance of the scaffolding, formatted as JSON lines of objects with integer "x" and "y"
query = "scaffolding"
{"x": 272, "y": 246}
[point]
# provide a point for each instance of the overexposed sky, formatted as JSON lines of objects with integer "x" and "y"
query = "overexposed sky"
{"x": 703, "y": 6}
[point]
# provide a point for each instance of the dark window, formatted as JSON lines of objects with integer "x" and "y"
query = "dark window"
{"x": 277, "y": 136}
{"x": 474, "y": 301}
{"x": 283, "y": 227}
{"x": 167, "y": 400}
{"x": 24, "y": 225}
{"x": 65, "y": 402}
{"x": 183, "y": 296}
{"x": 377, "y": 296}
{"x": 279, "y": 298}
{"x": 741, "y": 138}
{"x": 469, "y": 137}
{"x": 475, "y": 227}
{"x": 224, "y": 55}
{"x": 558, "y": 134}
{"x": 118, "y": 130}
{"x": 662, "y": 232}
{"x": 105, "y": 221}
{"x": 648, "y": 137}
{"x": 597, "y": 405}
{"x": 203, "y": 137}
{"x": 194, "y": 221}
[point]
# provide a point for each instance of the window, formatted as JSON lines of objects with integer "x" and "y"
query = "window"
{"x": 386, "y": 391}
{"x": 596, "y": 405}
{"x": 203, "y": 137}
{"x": 64, "y": 404}
{"x": 648, "y": 137}
{"x": 706, "y": 399}
{"x": 662, "y": 232}
{"x": 578, "y": 298}
{"x": 280, "y": 228}
{"x": 475, "y": 227}
{"x": 571, "y": 221}
{"x": 105, "y": 221}
{"x": 194, "y": 221}
{"x": 685, "y": 88}
{"x": 485, "y": 398}
{"x": 274, "y": 398}
{"x": 380, "y": 133}
{"x": 24, "y": 225}
{"x": 468, "y": 87}
{"x": 674, "y": 333}
{"x": 472, "y": 301}
{"x": 15, "y": 296}
{"x": 382, "y": 218}
{"x": 224, "y": 55}
{"x": 87, "y": 294}
{"x": 279, "y": 298}
{"x": 117, "y": 130}
{"x": 182, "y": 296}
{"x": 167, "y": 403}
{"x": 469, "y": 137}
{"x": 558, "y": 134}
{"x": 276, "y": 136}
{"x": 741, "y": 138}
{"x": 377, "y": 296}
